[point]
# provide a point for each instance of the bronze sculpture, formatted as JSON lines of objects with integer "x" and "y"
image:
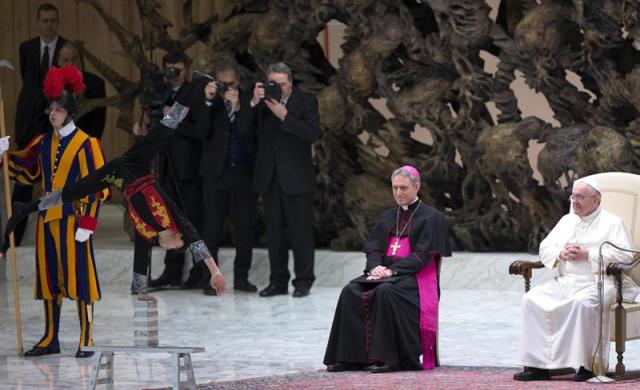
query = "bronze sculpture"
{"x": 424, "y": 60}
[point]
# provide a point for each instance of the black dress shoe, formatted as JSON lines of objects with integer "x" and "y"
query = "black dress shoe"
{"x": 338, "y": 367}
{"x": 208, "y": 290}
{"x": 300, "y": 292}
{"x": 164, "y": 280}
{"x": 583, "y": 375}
{"x": 371, "y": 366}
{"x": 532, "y": 374}
{"x": 244, "y": 285}
{"x": 382, "y": 369}
{"x": 83, "y": 354}
{"x": 270, "y": 291}
{"x": 39, "y": 351}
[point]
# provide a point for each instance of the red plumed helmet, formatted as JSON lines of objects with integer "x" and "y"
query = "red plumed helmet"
{"x": 61, "y": 84}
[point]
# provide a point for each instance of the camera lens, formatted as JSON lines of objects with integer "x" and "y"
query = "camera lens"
{"x": 172, "y": 73}
{"x": 222, "y": 88}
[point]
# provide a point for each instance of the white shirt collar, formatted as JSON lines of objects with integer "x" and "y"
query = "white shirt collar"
{"x": 405, "y": 208}
{"x": 52, "y": 44}
{"x": 66, "y": 129}
{"x": 285, "y": 100}
{"x": 592, "y": 216}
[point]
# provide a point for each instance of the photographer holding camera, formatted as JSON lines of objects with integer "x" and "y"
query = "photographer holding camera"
{"x": 178, "y": 165}
{"x": 285, "y": 122}
{"x": 226, "y": 168}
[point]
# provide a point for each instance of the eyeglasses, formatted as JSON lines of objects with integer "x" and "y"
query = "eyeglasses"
{"x": 580, "y": 197}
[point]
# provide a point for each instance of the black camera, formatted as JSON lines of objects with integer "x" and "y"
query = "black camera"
{"x": 155, "y": 89}
{"x": 272, "y": 91}
{"x": 222, "y": 88}
{"x": 201, "y": 78}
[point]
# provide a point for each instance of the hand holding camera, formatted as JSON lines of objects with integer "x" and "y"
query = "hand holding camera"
{"x": 271, "y": 94}
{"x": 278, "y": 109}
{"x": 231, "y": 95}
{"x": 210, "y": 90}
{"x": 258, "y": 94}
{"x": 224, "y": 90}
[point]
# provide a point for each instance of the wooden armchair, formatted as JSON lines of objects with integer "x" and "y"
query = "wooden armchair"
{"x": 620, "y": 196}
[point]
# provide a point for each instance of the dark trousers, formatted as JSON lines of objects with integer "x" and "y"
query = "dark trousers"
{"x": 141, "y": 255}
{"x": 21, "y": 193}
{"x": 189, "y": 197}
{"x": 232, "y": 188}
{"x": 292, "y": 214}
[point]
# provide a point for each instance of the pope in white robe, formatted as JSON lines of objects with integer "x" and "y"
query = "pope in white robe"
{"x": 560, "y": 317}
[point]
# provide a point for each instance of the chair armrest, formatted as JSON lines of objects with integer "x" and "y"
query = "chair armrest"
{"x": 616, "y": 270}
{"x": 524, "y": 268}
{"x": 520, "y": 267}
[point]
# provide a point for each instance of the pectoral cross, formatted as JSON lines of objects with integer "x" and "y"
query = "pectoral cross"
{"x": 396, "y": 245}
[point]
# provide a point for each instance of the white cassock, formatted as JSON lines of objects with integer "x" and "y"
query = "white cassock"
{"x": 560, "y": 318}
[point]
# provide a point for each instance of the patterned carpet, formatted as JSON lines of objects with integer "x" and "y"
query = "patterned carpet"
{"x": 441, "y": 378}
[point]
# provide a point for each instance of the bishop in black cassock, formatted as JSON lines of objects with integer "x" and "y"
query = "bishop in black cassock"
{"x": 388, "y": 317}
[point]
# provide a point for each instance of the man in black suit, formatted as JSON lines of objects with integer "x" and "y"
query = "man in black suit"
{"x": 226, "y": 168}
{"x": 37, "y": 55}
{"x": 285, "y": 127}
{"x": 91, "y": 122}
{"x": 178, "y": 175}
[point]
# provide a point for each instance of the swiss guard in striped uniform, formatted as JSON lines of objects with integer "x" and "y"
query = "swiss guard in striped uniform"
{"x": 65, "y": 262}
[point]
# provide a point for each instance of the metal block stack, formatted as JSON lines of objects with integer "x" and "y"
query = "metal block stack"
{"x": 145, "y": 329}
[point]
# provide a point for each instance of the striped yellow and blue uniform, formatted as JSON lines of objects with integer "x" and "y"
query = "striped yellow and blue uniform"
{"x": 64, "y": 266}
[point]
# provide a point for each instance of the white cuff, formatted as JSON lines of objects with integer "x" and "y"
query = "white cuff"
{"x": 83, "y": 235}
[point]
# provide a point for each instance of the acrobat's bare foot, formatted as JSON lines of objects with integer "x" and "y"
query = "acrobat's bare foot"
{"x": 147, "y": 297}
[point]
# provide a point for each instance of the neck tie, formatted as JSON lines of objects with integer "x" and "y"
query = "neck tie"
{"x": 230, "y": 112}
{"x": 44, "y": 65}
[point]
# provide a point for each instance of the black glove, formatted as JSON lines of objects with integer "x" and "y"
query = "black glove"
{"x": 21, "y": 210}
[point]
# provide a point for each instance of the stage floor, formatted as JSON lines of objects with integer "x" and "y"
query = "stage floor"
{"x": 248, "y": 336}
{"x": 245, "y": 336}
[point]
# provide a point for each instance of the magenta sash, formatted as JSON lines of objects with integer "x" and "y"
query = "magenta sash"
{"x": 428, "y": 288}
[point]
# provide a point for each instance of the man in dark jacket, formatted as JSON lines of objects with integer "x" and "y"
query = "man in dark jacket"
{"x": 226, "y": 168}
{"x": 91, "y": 122}
{"x": 178, "y": 174}
{"x": 286, "y": 123}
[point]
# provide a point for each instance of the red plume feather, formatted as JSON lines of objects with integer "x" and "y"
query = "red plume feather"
{"x": 73, "y": 79}
{"x": 53, "y": 83}
{"x": 68, "y": 77}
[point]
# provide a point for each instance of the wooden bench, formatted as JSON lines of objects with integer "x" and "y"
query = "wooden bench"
{"x": 177, "y": 367}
